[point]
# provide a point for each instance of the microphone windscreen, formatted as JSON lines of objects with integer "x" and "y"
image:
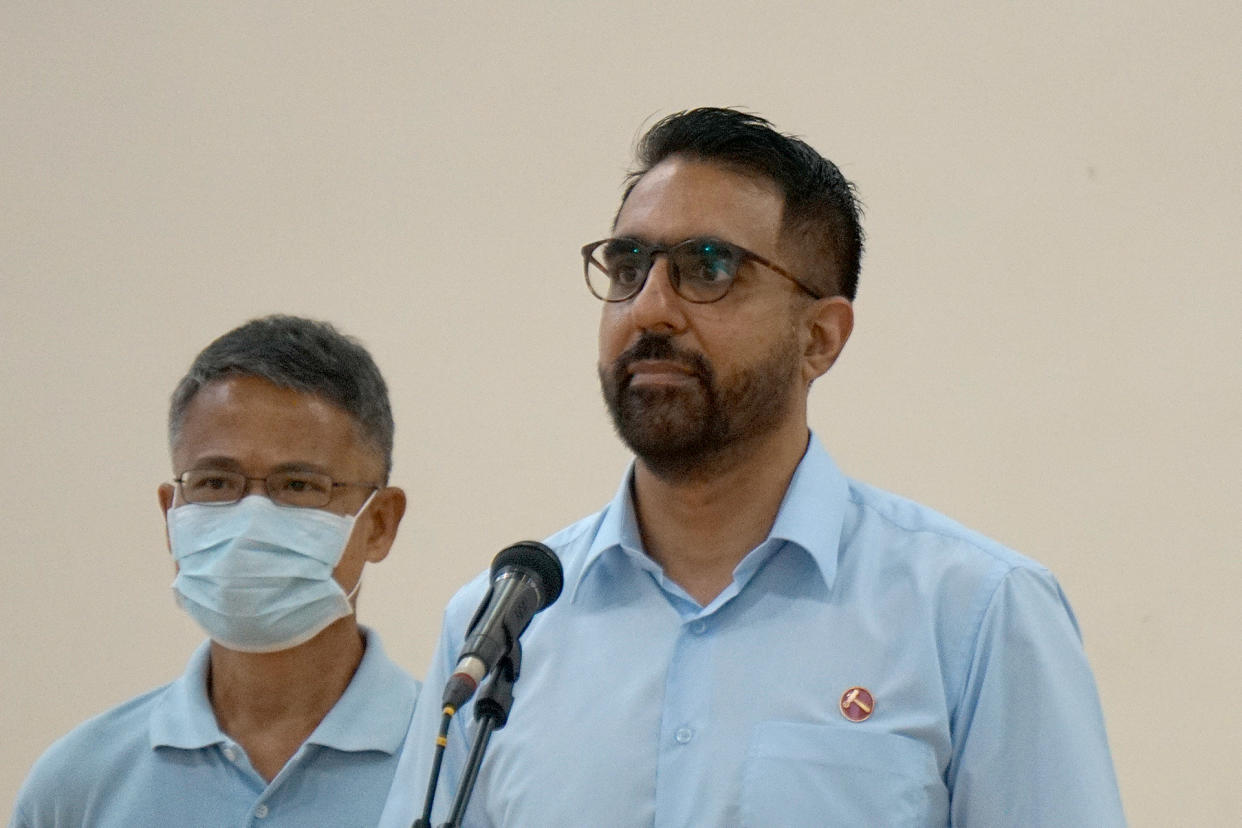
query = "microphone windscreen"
{"x": 539, "y": 560}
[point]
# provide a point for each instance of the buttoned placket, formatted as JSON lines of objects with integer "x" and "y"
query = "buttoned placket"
{"x": 262, "y": 807}
{"x": 687, "y": 700}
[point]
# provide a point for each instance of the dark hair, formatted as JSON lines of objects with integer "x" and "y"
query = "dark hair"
{"x": 301, "y": 354}
{"x": 821, "y": 209}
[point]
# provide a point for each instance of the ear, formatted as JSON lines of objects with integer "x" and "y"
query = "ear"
{"x": 381, "y": 522}
{"x": 827, "y": 326}
{"x": 166, "y": 492}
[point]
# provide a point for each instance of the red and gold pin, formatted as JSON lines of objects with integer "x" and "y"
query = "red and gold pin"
{"x": 857, "y": 704}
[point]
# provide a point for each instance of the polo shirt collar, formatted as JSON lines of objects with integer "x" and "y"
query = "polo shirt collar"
{"x": 810, "y": 517}
{"x": 373, "y": 713}
{"x": 183, "y": 717}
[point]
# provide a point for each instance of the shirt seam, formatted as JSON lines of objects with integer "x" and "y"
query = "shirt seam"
{"x": 969, "y": 663}
{"x": 970, "y": 644}
{"x": 962, "y": 538}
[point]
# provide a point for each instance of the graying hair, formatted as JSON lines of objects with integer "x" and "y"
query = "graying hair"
{"x": 304, "y": 355}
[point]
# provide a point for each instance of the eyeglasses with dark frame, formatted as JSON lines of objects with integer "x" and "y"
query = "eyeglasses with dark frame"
{"x": 300, "y": 489}
{"x": 701, "y": 270}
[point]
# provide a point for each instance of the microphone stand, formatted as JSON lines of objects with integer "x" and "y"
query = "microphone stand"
{"x": 491, "y": 709}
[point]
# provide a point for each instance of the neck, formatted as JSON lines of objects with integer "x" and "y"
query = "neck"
{"x": 699, "y": 528}
{"x": 271, "y": 702}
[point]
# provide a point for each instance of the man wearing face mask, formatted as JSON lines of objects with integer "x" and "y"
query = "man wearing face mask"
{"x": 291, "y": 714}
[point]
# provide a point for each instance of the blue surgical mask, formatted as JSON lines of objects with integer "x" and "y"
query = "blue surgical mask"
{"x": 257, "y": 576}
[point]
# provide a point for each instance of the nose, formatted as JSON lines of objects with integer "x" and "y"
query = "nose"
{"x": 657, "y": 306}
{"x": 255, "y": 485}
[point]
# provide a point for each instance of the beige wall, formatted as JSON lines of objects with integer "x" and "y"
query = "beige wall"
{"x": 1048, "y": 340}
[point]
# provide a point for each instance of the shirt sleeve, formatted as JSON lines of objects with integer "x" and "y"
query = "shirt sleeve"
{"x": 51, "y": 796}
{"x": 56, "y": 789}
{"x": 19, "y": 819}
{"x": 1029, "y": 742}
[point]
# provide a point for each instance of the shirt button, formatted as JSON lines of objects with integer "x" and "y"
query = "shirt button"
{"x": 260, "y": 811}
{"x": 230, "y": 754}
{"x": 698, "y": 627}
{"x": 683, "y": 735}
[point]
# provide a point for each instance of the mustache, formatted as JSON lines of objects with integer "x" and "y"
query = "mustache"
{"x": 661, "y": 347}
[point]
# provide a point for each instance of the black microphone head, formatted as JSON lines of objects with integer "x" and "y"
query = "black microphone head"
{"x": 537, "y": 560}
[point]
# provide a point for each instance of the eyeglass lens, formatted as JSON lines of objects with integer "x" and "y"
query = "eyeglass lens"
{"x": 291, "y": 488}
{"x": 701, "y": 270}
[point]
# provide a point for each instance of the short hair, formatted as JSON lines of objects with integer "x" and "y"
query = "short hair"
{"x": 301, "y": 354}
{"x": 821, "y": 211}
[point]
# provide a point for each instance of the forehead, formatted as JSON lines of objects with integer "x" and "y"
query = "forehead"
{"x": 256, "y": 426}
{"x": 682, "y": 197}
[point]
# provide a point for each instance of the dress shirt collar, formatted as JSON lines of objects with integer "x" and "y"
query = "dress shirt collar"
{"x": 372, "y": 714}
{"x": 810, "y": 517}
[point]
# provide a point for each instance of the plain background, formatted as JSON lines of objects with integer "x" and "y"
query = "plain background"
{"x": 1047, "y": 345}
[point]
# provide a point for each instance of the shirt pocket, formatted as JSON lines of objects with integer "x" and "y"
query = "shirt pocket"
{"x": 798, "y": 774}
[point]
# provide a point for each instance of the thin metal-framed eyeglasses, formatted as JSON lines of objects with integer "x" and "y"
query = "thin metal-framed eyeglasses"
{"x": 701, "y": 270}
{"x": 300, "y": 489}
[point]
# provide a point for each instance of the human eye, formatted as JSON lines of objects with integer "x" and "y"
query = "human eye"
{"x": 303, "y": 482}
{"x": 208, "y": 485}
{"x": 299, "y": 488}
{"x": 624, "y": 262}
{"x": 709, "y": 262}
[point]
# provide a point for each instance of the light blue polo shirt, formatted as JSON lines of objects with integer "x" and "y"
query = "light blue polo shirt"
{"x": 872, "y": 663}
{"x": 161, "y": 760}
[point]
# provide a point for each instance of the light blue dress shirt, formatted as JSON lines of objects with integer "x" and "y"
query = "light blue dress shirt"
{"x": 161, "y": 760}
{"x": 638, "y": 707}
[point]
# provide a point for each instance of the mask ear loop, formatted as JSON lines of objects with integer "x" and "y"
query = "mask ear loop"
{"x": 354, "y": 592}
{"x": 365, "y": 504}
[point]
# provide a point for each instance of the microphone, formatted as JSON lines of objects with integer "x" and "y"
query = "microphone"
{"x": 526, "y": 577}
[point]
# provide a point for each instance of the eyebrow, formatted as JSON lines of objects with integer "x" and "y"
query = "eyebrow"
{"x": 225, "y": 463}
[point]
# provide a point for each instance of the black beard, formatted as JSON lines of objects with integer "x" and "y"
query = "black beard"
{"x": 683, "y": 433}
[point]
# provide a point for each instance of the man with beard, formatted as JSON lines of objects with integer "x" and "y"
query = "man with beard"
{"x": 746, "y": 636}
